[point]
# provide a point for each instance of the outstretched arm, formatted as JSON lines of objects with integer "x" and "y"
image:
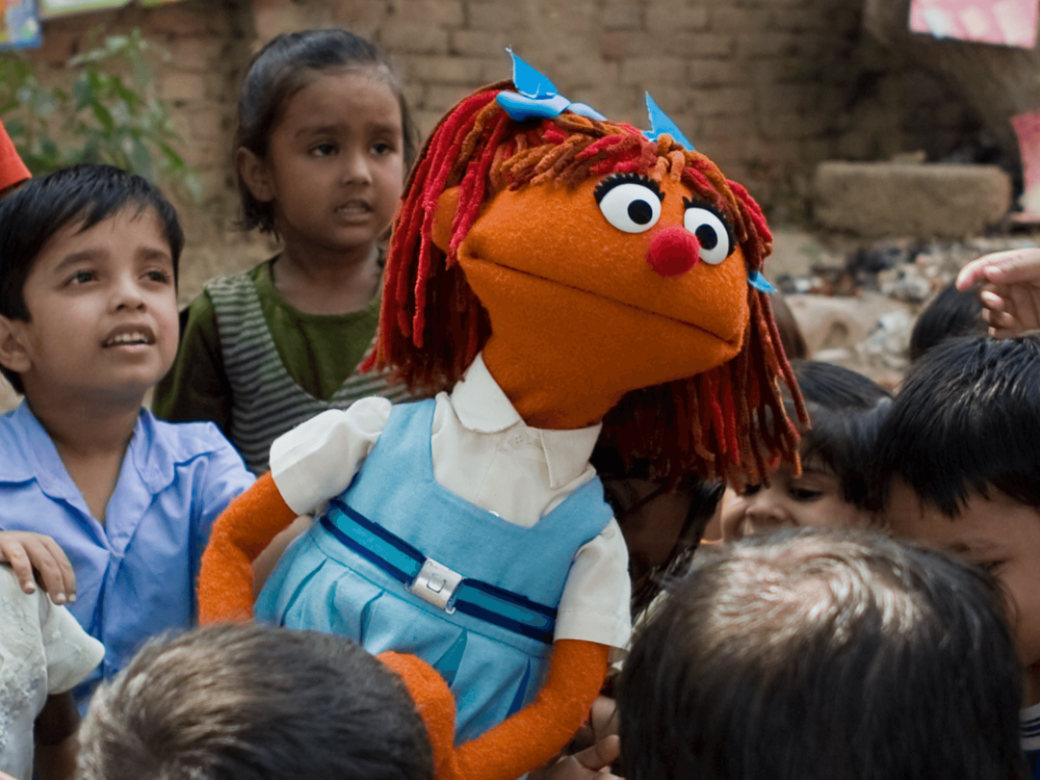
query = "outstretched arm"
{"x": 239, "y": 535}
{"x": 539, "y": 731}
{"x": 1010, "y": 289}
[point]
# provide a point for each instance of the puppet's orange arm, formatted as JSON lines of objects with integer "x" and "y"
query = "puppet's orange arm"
{"x": 239, "y": 535}
{"x": 539, "y": 731}
{"x": 436, "y": 705}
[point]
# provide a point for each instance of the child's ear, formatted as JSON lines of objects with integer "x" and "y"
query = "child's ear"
{"x": 254, "y": 172}
{"x": 447, "y": 205}
{"x": 13, "y": 354}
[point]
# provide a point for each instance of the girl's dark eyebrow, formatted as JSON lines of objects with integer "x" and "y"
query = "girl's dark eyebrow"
{"x": 317, "y": 129}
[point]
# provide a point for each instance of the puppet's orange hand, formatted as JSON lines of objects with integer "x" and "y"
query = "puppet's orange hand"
{"x": 436, "y": 705}
{"x": 539, "y": 731}
{"x": 239, "y": 535}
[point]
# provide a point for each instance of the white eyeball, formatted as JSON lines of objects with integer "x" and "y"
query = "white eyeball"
{"x": 711, "y": 233}
{"x": 633, "y": 208}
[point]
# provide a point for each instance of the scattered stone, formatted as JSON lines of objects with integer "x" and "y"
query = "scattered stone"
{"x": 907, "y": 283}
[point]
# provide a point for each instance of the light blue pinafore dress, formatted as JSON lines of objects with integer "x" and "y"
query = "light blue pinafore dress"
{"x": 493, "y": 669}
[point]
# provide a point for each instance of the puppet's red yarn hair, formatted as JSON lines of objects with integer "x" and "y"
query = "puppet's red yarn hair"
{"x": 727, "y": 423}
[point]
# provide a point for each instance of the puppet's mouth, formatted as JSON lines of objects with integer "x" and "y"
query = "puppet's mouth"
{"x": 735, "y": 341}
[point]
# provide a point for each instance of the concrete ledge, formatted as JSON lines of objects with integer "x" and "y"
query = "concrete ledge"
{"x": 910, "y": 199}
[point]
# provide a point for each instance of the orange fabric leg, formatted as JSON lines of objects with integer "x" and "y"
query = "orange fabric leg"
{"x": 539, "y": 731}
{"x": 434, "y": 701}
{"x": 239, "y": 535}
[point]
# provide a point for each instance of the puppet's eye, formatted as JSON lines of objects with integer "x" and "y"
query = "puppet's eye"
{"x": 628, "y": 206}
{"x": 711, "y": 232}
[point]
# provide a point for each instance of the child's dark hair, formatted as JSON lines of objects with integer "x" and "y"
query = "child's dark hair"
{"x": 286, "y": 64}
{"x": 82, "y": 194}
{"x": 846, "y": 410}
{"x": 951, "y": 313}
{"x": 254, "y": 702}
{"x": 819, "y": 655}
{"x": 966, "y": 420}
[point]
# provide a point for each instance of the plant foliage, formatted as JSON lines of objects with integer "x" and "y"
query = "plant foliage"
{"x": 111, "y": 115}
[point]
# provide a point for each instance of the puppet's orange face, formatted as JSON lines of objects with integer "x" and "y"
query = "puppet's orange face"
{"x": 622, "y": 275}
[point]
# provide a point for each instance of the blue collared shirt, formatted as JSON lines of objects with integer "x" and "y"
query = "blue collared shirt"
{"x": 136, "y": 573}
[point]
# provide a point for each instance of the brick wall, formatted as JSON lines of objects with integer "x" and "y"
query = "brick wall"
{"x": 767, "y": 88}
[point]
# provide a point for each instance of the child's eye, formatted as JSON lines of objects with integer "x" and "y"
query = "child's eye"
{"x": 750, "y": 490}
{"x": 383, "y": 148}
{"x": 159, "y": 276}
{"x": 990, "y": 567}
{"x": 82, "y": 277}
{"x": 323, "y": 150}
{"x": 804, "y": 494}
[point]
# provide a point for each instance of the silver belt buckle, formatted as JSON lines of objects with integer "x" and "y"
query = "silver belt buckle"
{"x": 436, "y": 583}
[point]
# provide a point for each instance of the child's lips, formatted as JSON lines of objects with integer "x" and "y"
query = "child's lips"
{"x": 129, "y": 335}
{"x": 354, "y": 208}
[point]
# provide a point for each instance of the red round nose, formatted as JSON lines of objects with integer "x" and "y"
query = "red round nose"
{"x": 675, "y": 250}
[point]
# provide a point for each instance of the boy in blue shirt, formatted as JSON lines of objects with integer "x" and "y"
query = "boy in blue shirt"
{"x": 88, "y": 325}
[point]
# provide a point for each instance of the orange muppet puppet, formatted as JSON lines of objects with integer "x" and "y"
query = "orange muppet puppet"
{"x": 555, "y": 278}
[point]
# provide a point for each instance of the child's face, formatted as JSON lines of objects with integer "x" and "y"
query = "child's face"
{"x": 103, "y": 311}
{"x": 335, "y": 164}
{"x": 996, "y": 533}
{"x": 812, "y": 498}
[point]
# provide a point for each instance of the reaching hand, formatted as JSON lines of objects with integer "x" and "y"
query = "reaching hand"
{"x": 592, "y": 763}
{"x": 26, "y": 551}
{"x": 1010, "y": 290}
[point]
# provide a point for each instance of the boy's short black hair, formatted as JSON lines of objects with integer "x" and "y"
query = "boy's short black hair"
{"x": 254, "y": 702}
{"x": 819, "y": 655}
{"x": 846, "y": 410}
{"x": 85, "y": 194}
{"x": 952, "y": 313}
{"x": 966, "y": 420}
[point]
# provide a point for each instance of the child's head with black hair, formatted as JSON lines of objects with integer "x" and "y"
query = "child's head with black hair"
{"x": 845, "y": 410}
{"x": 823, "y": 655}
{"x": 958, "y": 467}
{"x": 287, "y": 65}
{"x": 85, "y": 251}
{"x": 951, "y": 313}
{"x": 254, "y": 702}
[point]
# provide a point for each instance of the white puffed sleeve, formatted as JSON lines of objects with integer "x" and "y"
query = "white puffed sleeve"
{"x": 594, "y": 606}
{"x": 317, "y": 459}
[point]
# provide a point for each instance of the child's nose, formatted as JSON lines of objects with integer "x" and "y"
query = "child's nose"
{"x": 127, "y": 294}
{"x": 765, "y": 514}
{"x": 675, "y": 250}
{"x": 356, "y": 168}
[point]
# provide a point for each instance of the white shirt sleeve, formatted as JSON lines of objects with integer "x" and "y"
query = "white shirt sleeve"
{"x": 318, "y": 459}
{"x": 594, "y": 606}
{"x": 71, "y": 652}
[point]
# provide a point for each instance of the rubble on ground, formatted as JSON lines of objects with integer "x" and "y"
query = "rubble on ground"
{"x": 857, "y": 303}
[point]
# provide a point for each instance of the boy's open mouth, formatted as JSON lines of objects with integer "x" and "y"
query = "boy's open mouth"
{"x": 129, "y": 335}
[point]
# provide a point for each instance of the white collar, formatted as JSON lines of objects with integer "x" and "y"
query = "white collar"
{"x": 482, "y": 406}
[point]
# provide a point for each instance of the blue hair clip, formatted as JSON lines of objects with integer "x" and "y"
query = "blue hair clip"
{"x": 760, "y": 283}
{"x": 660, "y": 124}
{"x": 536, "y": 96}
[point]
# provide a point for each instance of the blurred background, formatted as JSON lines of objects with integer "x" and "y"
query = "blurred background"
{"x": 889, "y": 141}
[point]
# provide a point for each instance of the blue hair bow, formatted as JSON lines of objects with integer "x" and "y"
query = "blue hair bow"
{"x": 661, "y": 124}
{"x": 536, "y": 97}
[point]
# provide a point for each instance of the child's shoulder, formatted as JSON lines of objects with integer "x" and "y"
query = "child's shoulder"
{"x": 181, "y": 441}
{"x": 258, "y": 279}
{"x": 20, "y": 436}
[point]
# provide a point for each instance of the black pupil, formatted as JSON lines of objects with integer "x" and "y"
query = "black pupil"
{"x": 707, "y": 237}
{"x": 640, "y": 212}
